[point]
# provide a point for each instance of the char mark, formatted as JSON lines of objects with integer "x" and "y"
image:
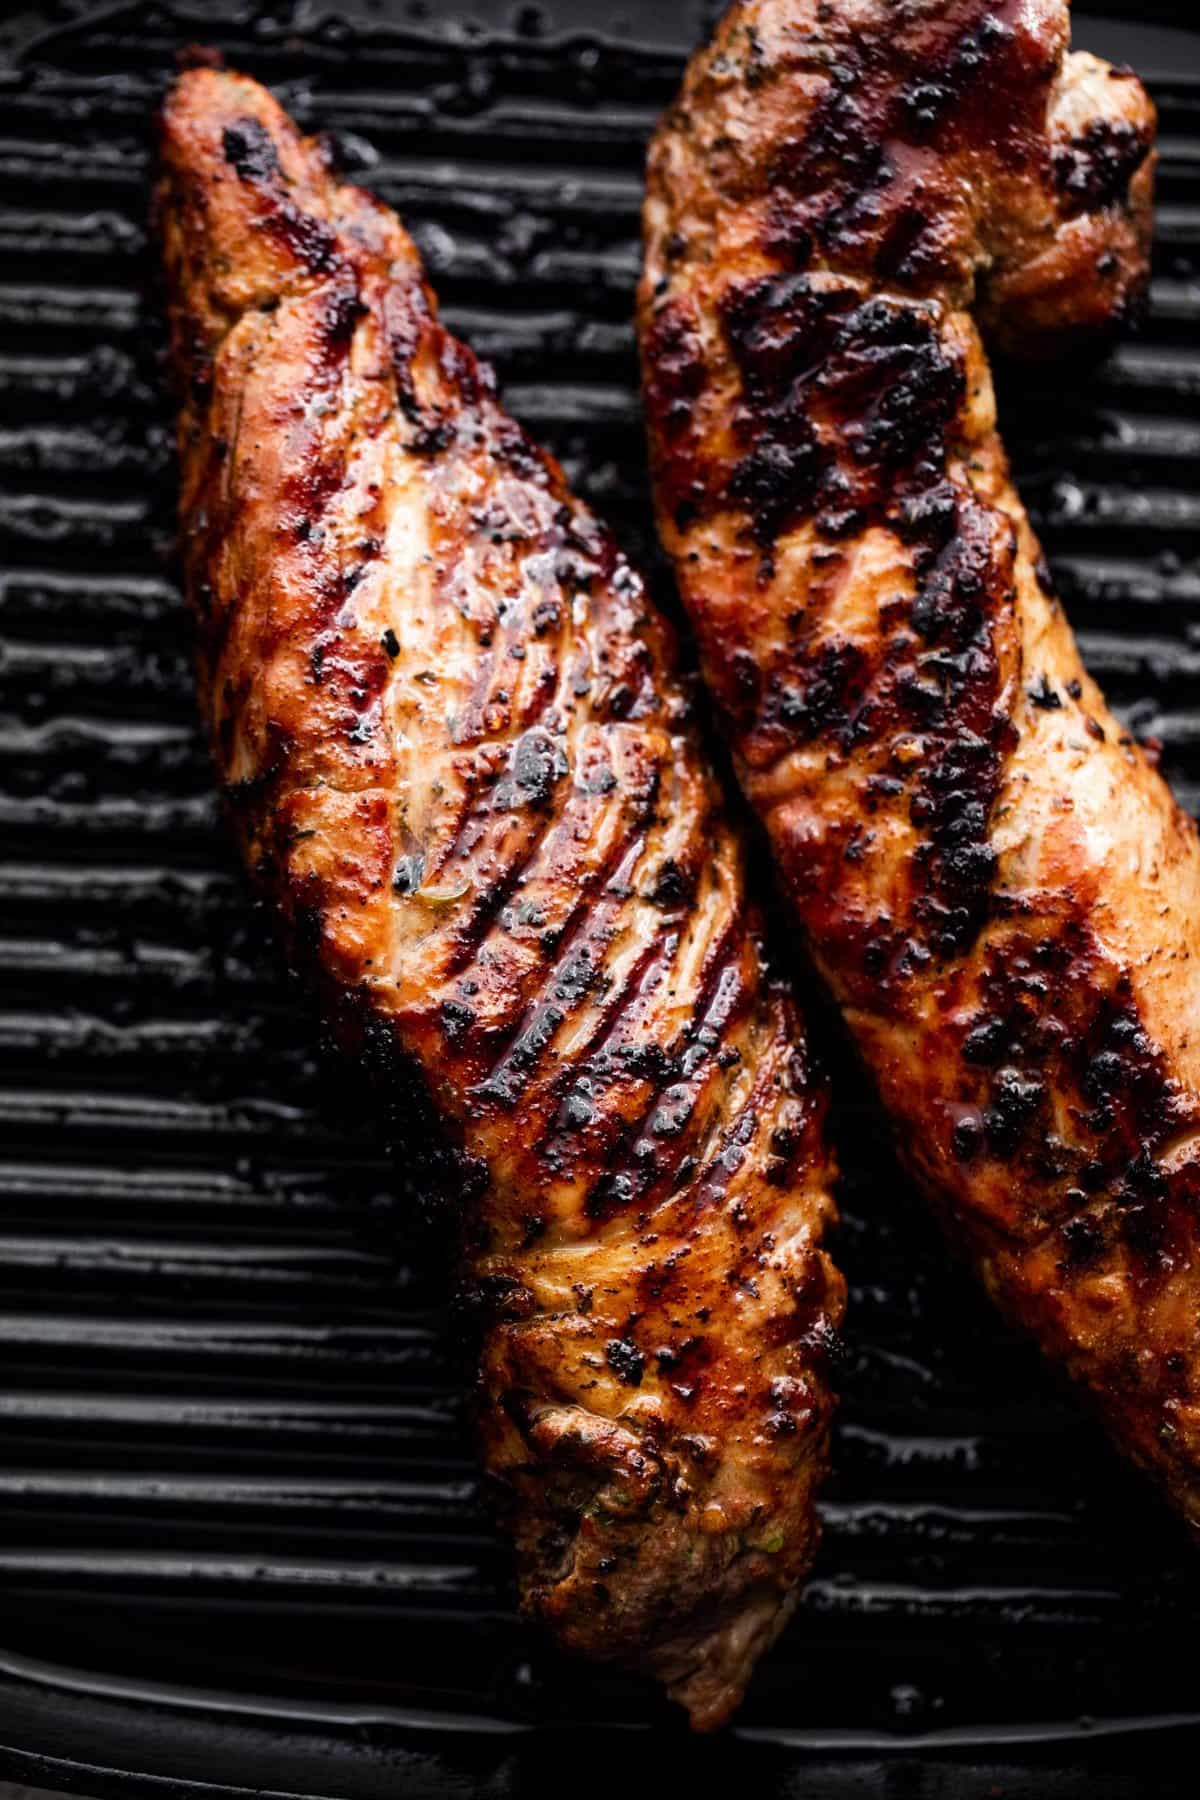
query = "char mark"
{"x": 657, "y": 1147}
{"x": 250, "y": 150}
{"x": 1094, "y": 170}
{"x": 1055, "y": 1018}
{"x": 959, "y": 75}
{"x": 844, "y": 396}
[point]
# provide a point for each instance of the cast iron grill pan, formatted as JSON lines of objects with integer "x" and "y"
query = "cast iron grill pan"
{"x": 240, "y": 1536}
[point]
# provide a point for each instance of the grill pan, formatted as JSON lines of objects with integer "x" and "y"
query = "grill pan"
{"x": 241, "y": 1545}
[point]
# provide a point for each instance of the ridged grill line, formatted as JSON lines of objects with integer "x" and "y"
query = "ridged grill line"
{"x": 231, "y": 1387}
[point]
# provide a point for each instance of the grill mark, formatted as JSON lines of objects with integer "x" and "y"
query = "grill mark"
{"x": 715, "y": 1176}
{"x": 575, "y": 973}
{"x": 310, "y": 490}
{"x": 470, "y": 722}
{"x": 1056, "y": 1018}
{"x": 616, "y": 1010}
{"x": 733, "y": 918}
{"x": 469, "y": 934}
{"x": 310, "y": 493}
{"x": 559, "y": 1143}
{"x": 549, "y": 693}
{"x": 250, "y": 150}
{"x": 724, "y": 957}
{"x": 615, "y": 1013}
{"x": 471, "y": 930}
{"x": 406, "y": 321}
{"x": 848, "y": 398}
{"x": 471, "y": 926}
{"x": 470, "y": 814}
{"x": 850, "y": 409}
{"x": 968, "y": 76}
{"x": 1093, "y": 171}
{"x": 693, "y": 1147}
{"x": 310, "y": 240}
{"x": 314, "y": 482}
{"x": 576, "y": 925}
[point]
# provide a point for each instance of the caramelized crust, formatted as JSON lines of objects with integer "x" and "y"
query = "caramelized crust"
{"x": 996, "y": 884}
{"x": 459, "y": 762}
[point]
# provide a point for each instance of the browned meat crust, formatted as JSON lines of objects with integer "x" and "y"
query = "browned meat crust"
{"x": 459, "y": 762}
{"x": 996, "y": 884}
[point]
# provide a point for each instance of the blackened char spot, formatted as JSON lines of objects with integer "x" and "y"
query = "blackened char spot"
{"x": 822, "y": 699}
{"x": 836, "y": 182}
{"x": 943, "y": 90}
{"x": 457, "y": 1018}
{"x": 674, "y": 378}
{"x": 676, "y": 367}
{"x": 406, "y": 318}
{"x": 517, "y": 451}
{"x": 1016, "y": 1101}
{"x": 343, "y": 310}
{"x": 1095, "y": 169}
{"x": 538, "y": 764}
{"x": 1066, "y": 1023}
{"x": 671, "y": 885}
{"x": 911, "y": 251}
{"x": 435, "y": 433}
{"x": 844, "y": 396}
{"x": 625, "y": 1360}
{"x": 1043, "y": 695}
{"x": 573, "y": 979}
{"x": 848, "y": 413}
{"x": 899, "y": 384}
{"x": 923, "y": 104}
{"x": 985, "y": 1040}
{"x": 1082, "y": 1240}
{"x": 250, "y": 150}
{"x": 967, "y": 1137}
{"x": 777, "y": 478}
{"x": 778, "y": 328}
{"x": 952, "y": 691}
{"x": 959, "y": 579}
{"x": 311, "y": 241}
{"x": 840, "y": 150}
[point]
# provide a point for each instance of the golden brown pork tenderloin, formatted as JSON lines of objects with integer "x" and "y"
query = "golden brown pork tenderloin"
{"x": 998, "y": 887}
{"x": 459, "y": 761}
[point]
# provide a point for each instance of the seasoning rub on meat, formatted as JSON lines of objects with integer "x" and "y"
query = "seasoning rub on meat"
{"x": 459, "y": 762}
{"x": 993, "y": 879}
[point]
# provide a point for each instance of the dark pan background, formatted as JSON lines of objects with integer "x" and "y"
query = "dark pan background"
{"x": 240, "y": 1539}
